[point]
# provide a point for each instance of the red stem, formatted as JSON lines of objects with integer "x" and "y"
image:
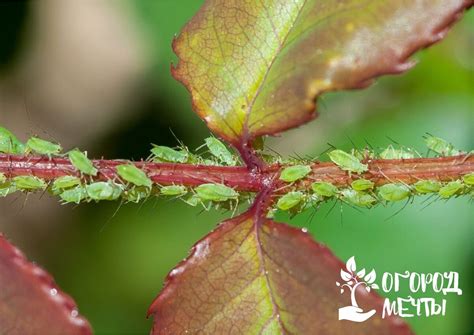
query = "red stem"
{"x": 380, "y": 171}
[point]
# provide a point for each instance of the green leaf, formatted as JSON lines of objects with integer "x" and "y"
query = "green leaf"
{"x": 30, "y": 301}
{"x": 254, "y": 276}
{"x": 255, "y": 67}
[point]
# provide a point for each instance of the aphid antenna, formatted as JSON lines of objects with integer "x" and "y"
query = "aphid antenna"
{"x": 273, "y": 151}
{"x": 350, "y": 140}
{"x": 368, "y": 144}
{"x": 392, "y": 140}
{"x": 181, "y": 143}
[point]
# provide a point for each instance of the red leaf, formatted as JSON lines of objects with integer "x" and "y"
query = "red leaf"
{"x": 253, "y": 275}
{"x": 255, "y": 67}
{"x": 30, "y": 301}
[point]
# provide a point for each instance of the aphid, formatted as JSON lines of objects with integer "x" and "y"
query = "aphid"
{"x": 64, "y": 182}
{"x": 29, "y": 183}
{"x": 42, "y": 147}
{"x": 324, "y": 189}
{"x": 450, "y": 189}
{"x": 166, "y": 154}
{"x": 362, "y": 185}
{"x": 174, "y": 190}
{"x": 74, "y": 195}
{"x": 80, "y": 161}
{"x": 220, "y": 151}
{"x": 347, "y": 162}
{"x": 468, "y": 178}
{"x": 427, "y": 186}
{"x": 312, "y": 200}
{"x": 193, "y": 200}
{"x": 9, "y": 144}
{"x": 360, "y": 199}
{"x": 363, "y": 154}
{"x": 7, "y": 188}
{"x": 104, "y": 191}
{"x": 391, "y": 153}
{"x": 216, "y": 192}
{"x": 441, "y": 146}
{"x": 394, "y": 192}
{"x": 136, "y": 194}
{"x": 134, "y": 175}
{"x": 294, "y": 173}
{"x": 3, "y": 178}
{"x": 290, "y": 200}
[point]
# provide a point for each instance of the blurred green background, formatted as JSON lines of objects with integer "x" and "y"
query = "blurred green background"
{"x": 95, "y": 74}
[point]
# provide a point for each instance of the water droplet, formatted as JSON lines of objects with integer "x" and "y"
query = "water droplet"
{"x": 53, "y": 292}
{"x": 304, "y": 230}
{"x": 74, "y": 313}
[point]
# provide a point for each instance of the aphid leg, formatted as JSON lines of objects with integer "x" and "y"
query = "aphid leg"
{"x": 398, "y": 211}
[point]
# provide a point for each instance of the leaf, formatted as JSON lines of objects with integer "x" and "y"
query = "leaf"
{"x": 252, "y": 275}
{"x": 370, "y": 278}
{"x": 361, "y": 273}
{"x": 30, "y": 301}
{"x": 374, "y": 286}
{"x": 255, "y": 67}
{"x": 351, "y": 264}
{"x": 345, "y": 276}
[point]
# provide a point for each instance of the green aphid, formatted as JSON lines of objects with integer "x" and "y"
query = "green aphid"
{"x": 216, "y": 192}
{"x": 392, "y": 153}
{"x": 74, "y": 195}
{"x": 134, "y": 175}
{"x": 450, "y": 189}
{"x": 220, "y": 151}
{"x": 363, "y": 154}
{"x": 468, "y": 179}
{"x": 294, "y": 173}
{"x": 104, "y": 191}
{"x": 347, "y": 162}
{"x": 312, "y": 200}
{"x": 394, "y": 192}
{"x": 290, "y": 200}
{"x": 193, "y": 200}
{"x": 166, "y": 154}
{"x": 427, "y": 186}
{"x": 9, "y": 144}
{"x": 174, "y": 190}
{"x": 362, "y": 185}
{"x": 63, "y": 183}
{"x": 441, "y": 146}
{"x": 137, "y": 193}
{"x": 7, "y": 188}
{"x": 29, "y": 183}
{"x": 324, "y": 189}
{"x": 42, "y": 147}
{"x": 3, "y": 178}
{"x": 80, "y": 161}
{"x": 360, "y": 199}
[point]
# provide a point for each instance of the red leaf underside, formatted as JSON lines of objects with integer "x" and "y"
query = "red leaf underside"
{"x": 30, "y": 301}
{"x": 256, "y": 276}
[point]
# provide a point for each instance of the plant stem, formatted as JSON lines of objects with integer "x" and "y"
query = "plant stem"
{"x": 240, "y": 178}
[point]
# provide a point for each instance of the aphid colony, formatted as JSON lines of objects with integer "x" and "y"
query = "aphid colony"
{"x": 362, "y": 192}
{"x": 133, "y": 184}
